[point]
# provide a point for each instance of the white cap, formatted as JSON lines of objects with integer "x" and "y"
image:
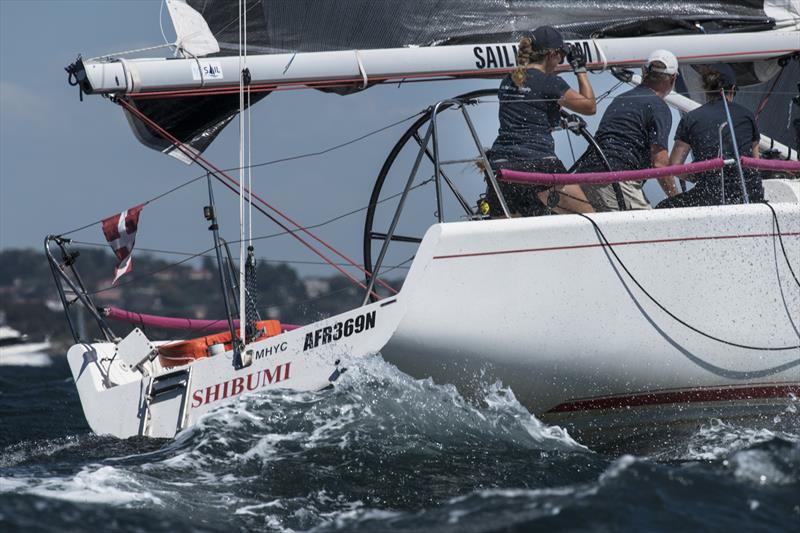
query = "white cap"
{"x": 667, "y": 58}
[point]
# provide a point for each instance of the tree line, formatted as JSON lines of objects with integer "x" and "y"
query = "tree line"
{"x": 30, "y": 303}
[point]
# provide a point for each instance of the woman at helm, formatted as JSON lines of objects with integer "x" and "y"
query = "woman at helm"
{"x": 531, "y": 98}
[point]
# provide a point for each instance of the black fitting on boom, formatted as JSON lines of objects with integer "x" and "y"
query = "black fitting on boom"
{"x": 622, "y": 74}
{"x": 76, "y": 76}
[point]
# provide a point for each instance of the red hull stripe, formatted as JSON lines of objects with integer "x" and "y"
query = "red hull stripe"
{"x": 704, "y": 395}
{"x": 623, "y": 243}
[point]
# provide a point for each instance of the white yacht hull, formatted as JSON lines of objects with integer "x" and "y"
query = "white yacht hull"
{"x": 542, "y": 306}
{"x": 159, "y": 402}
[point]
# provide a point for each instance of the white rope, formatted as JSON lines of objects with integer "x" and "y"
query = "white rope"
{"x": 135, "y": 50}
{"x": 362, "y": 71}
{"x": 166, "y": 44}
{"x": 161, "y": 23}
{"x": 249, "y": 146}
{"x": 242, "y": 174}
{"x": 601, "y": 54}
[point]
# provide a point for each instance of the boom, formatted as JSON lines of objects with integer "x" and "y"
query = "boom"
{"x": 346, "y": 68}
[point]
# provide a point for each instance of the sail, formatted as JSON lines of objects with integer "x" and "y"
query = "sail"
{"x": 195, "y": 120}
{"x": 314, "y": 26}
{"x": 775, "y": 100}
{"x": 771, "y": 89}
{"x": 348, "y": 45}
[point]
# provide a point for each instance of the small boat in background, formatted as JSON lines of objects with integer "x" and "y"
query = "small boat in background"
{"x": 16, "y": 349}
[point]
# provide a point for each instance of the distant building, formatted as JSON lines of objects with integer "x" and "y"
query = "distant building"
{"x": 108, "y": 293}
{"x": 166, "y": 275}
{"x": 200, "y": 274}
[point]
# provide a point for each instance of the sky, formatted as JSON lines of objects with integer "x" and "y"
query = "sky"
{"x": 65, "y": 163}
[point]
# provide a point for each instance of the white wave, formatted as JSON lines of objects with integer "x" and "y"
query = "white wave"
{"x": 18, "y": 453}
{"x": 104, "y": 485}
{"x": 617, "y": 467}
{"x": 501, "y": 412}
{"x": 37, "y": 359}
{"x": 343, "y": 520}
{"x": 250, "y": 509}
{"x": 372, "y": 401}
{"x": 718, "y": 439}
{"x": 265, "y": 448}
{"x": 757, "y": 466}
{"x": 12, "y": 484}
{"x": 502, "y": 399}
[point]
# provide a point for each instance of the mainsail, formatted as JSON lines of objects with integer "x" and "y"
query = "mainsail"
{"x": 313, "y": 26}
{"x": 348, "y": 45}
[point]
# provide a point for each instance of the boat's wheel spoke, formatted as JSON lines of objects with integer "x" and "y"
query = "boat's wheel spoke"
{"x": 413, "y": 139}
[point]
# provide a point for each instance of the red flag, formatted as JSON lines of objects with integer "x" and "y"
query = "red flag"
{"x": 120, "y": 232}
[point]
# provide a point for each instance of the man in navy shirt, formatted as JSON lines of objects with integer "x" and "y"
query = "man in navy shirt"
{"x": 699, "y": 133}
{"x": 634, "y": 134}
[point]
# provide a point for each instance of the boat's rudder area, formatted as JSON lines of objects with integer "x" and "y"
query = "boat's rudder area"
{"x": 139, "y": 387}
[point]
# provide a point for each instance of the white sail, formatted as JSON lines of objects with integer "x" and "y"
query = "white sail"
{"x": 194, "y": 37}
{"x": 786, "y": 13}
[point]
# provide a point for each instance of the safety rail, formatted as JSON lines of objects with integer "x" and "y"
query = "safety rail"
{"x": 596, "y": 178}
{"x": 167, "y": 322}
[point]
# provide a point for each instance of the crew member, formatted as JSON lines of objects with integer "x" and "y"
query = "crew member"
{"x": 634, "y": 134}
{"x": 699, "y": 133}
{"x": 530, "y": 100}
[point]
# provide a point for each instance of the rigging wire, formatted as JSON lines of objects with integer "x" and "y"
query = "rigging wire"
{"x": 605, "y": 94}
{"x": 141, "y": 277}
{"x": 161, "y": 22}
{"x": 264, "y": 164}
{"x": 293, "y": 305}
{"x": 205, "y": 253}
{"x": 151, "y": 200}
{"x": 232, "y": 21}
{"x": 765, "y": 100}
{"x": 242, "y": 177}
{"x": 190, "y": 255}
{"x": 216, "y": 91}
{"x": 166, "y": 44}
{"x": 606, "y": 244}
{"x": 133, "y": 51}
{"x": 780, "y": 239}
{"x": 571, "y": 149}
{"x": 227, "y": 181}
{"x": 326, "y": 84}
{"x": 147, "y": 274}
{"x": 343, "y": 289}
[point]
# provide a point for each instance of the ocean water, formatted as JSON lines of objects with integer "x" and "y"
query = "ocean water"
{"x": 379, "y": 452}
